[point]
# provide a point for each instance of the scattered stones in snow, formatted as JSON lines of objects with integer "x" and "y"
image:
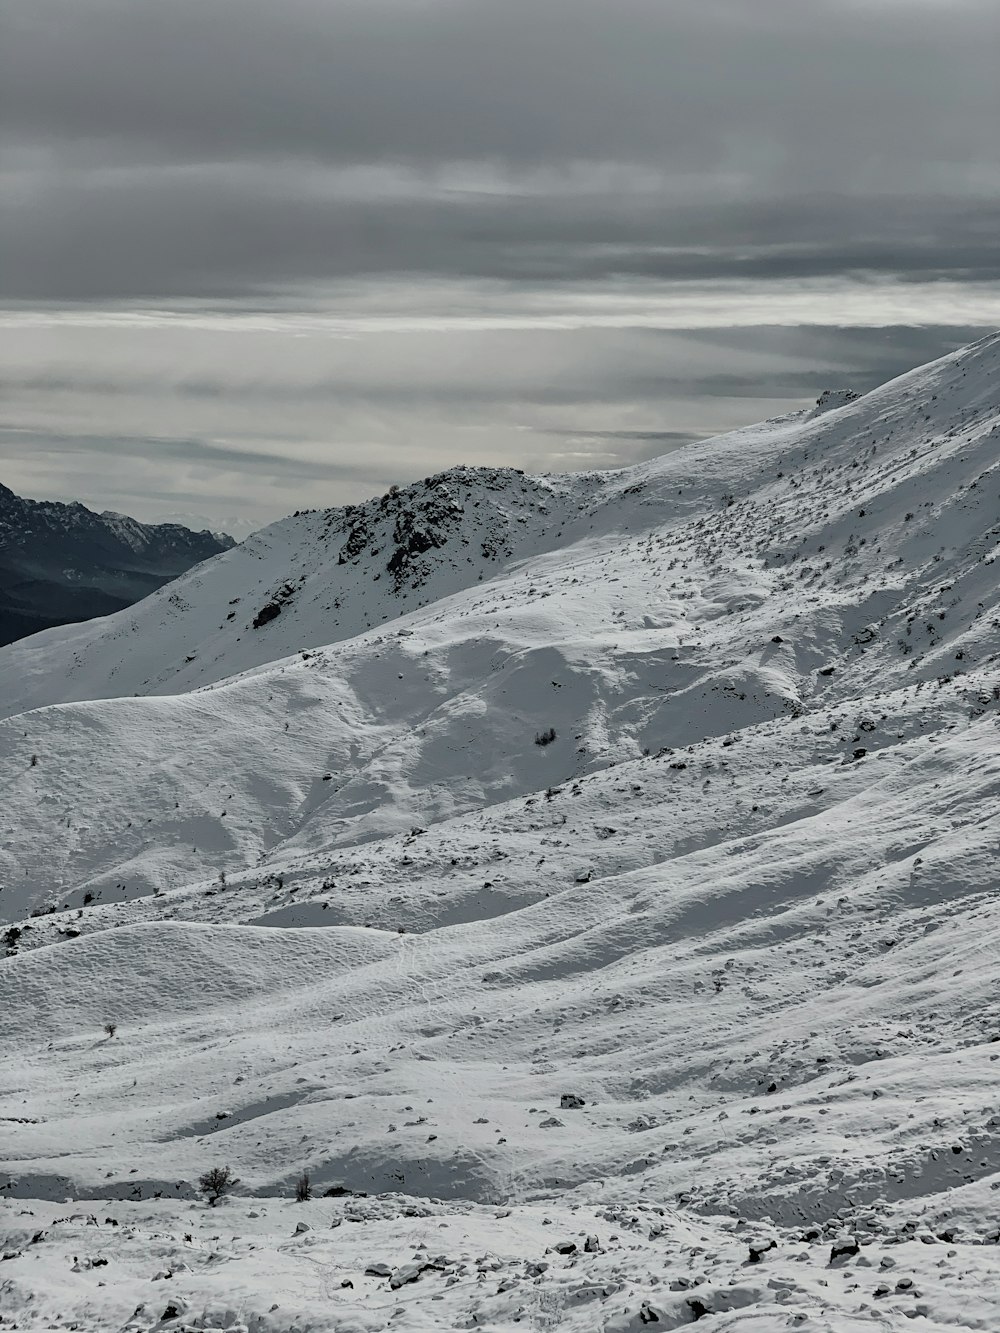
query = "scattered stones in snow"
{"x": 758, "y": 1248}
{"x": 844, "y": 1247}
{"x": 641, "y": 1123}
{"x": 409, "y": 1273}
{"x": 830, "y": 399}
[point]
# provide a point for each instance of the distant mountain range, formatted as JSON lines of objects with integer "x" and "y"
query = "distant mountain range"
{"x": 61, "y": 563}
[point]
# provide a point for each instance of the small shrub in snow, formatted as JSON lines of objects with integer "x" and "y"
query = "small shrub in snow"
{"x": 216, "y": 1182}
{"x": 303, "y": 1188}
{"x": 545, "y": 737}
{"x": 110, "y": 1029}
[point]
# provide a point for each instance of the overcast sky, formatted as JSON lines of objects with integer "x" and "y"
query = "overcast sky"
{"x": 263, "y": 255}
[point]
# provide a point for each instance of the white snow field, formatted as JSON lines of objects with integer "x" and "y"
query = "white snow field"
{"x": 687, "y": 1013}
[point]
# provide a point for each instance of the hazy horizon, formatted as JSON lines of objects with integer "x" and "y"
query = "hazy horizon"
{"x": 259, "y": 260}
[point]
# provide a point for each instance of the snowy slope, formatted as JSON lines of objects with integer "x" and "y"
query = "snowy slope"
{"x": 905, "y": 471}
{"x": 661, "y": 624}
{"x": 714, "y": 967}
{"x": 318, "y": 577}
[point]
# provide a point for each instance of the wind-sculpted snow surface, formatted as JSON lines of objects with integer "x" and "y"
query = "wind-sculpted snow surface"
{"x": 588, "y": 882}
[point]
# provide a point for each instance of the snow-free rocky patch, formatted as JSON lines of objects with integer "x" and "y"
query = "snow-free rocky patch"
{"x": 588, "y": 882}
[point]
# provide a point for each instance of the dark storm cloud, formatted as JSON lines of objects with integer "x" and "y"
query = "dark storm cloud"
{"x": 234, "y": 147}
{"x": 146, "y": 236}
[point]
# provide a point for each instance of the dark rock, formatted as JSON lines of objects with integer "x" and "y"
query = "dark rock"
{"x": 844, "y": 1247}
{"x": 758, "y": 1248}
{"x": 270, "y": 611}
{"x": 357, "y": 539}
{"x": 407, "y": 1273}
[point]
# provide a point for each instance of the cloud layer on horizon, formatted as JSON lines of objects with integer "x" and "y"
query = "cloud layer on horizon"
{"x": 152, "y": 419}
{"x": 257, "y": 256}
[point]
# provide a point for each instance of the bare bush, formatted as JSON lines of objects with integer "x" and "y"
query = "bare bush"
{"x": 216, "y": 1182}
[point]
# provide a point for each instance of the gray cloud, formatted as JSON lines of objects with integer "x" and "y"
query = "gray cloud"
{"x": 234, "y": 147}
{"x": 169, "y": 235}
{"x": 689, "y": 83}
{"x": 276, "y": 254}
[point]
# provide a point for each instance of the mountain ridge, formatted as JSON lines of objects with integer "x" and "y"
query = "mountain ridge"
{"x": 600, "y": 896}
{"x": 64, "y": 563}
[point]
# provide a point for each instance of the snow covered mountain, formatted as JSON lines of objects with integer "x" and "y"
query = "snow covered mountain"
{"x": 61, "y": 563}
{"x": 588, "y": 881}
